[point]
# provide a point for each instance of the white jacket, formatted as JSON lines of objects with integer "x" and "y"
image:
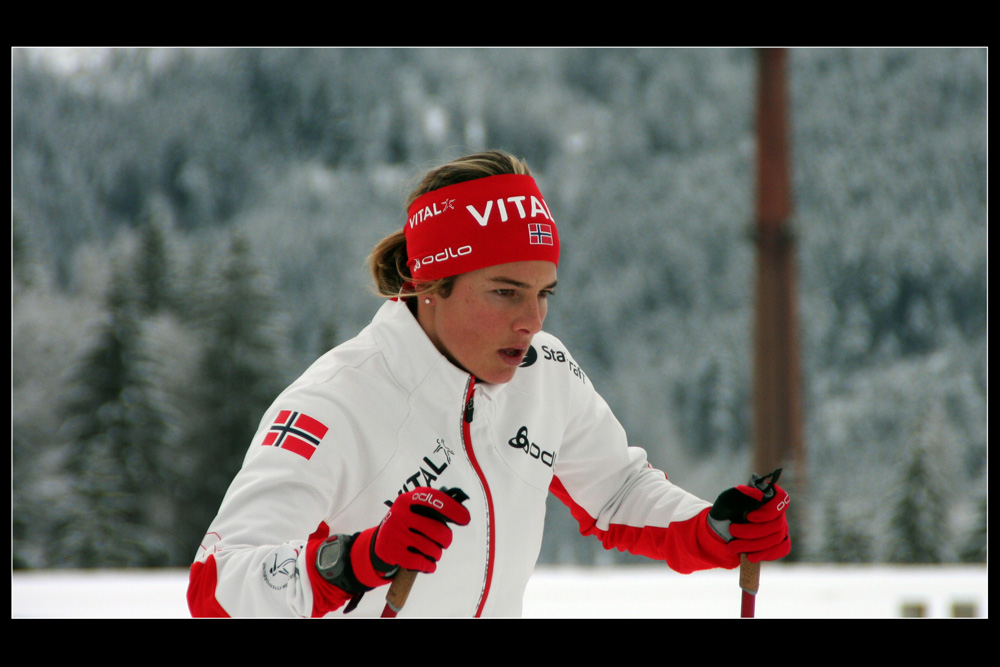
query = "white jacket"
{"x": 390, "y": 413}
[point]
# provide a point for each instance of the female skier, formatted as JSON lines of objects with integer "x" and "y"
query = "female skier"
{"x": 452, "y": 408}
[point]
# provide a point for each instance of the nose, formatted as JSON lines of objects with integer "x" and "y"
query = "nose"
{"x": 531, "y": 316}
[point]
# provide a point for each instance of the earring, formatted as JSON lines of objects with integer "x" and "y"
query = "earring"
{"x": 427, "y": 301}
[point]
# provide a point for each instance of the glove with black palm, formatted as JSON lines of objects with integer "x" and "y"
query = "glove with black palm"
{"x": 751, "y": 518}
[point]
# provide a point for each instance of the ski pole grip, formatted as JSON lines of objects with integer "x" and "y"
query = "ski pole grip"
{"x": 399, "y": 589}
{"x": 749, "y": 575}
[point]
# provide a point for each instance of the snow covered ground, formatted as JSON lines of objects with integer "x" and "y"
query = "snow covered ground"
{"x": 787, "y": 591}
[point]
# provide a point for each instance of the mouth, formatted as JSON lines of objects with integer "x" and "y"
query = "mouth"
{"x": 512, "y": 355}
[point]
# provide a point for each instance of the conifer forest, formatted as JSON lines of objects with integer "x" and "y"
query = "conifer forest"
{"x": 190, "y": 229}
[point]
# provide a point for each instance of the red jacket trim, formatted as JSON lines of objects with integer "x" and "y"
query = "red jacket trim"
{"x": 686, "y": 546}
{"x": 201, "y": 591}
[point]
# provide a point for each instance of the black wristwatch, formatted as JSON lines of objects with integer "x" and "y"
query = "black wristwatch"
{"x": 333, "y": 562}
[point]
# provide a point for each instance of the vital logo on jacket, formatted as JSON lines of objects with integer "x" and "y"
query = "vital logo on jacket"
{"x": 428, "y": 470}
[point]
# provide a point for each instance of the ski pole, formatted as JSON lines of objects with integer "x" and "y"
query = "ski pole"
{"x": 401, "y": 584}
{"x": 749, "y": 582}
{"x": 399, "y": 590}
{"x": 750, "y": 572}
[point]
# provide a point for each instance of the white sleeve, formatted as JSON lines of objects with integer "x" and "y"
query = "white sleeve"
{"x": 254, "y": 560}
{"x": 615, "y": 494}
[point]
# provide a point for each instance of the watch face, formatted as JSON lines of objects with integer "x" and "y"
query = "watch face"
{"x": 329, "y": 554}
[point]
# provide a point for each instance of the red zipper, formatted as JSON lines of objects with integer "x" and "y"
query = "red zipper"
{"x": 467, "y": 411}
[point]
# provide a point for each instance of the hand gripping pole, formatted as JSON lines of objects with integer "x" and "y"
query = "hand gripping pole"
{"x": 401, "y": 584}
{"x": 750, "y": 572}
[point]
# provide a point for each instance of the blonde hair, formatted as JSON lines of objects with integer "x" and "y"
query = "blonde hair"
{"x": 387, "y": 261}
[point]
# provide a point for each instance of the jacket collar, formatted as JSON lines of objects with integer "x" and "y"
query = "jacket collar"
{"x": 411, "y": 355}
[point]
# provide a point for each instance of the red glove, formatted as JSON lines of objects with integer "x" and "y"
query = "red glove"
{"x": 752, "y": 523}
{"x": 412, "y": 535}
{"x": 415, "y": 532}
{"x": 764, "y": 536}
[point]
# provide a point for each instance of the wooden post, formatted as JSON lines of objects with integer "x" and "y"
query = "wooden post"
{"x": 777, "y": 405}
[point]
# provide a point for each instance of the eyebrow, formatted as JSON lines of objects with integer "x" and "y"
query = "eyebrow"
{"x": 518, "y": 283}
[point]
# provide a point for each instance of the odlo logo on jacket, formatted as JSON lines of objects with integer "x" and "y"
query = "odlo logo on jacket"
{"x": 520, "y": 441}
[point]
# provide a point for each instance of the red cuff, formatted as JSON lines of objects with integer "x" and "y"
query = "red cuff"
{"x": 361, "y": 560}
{"x": 713, "y": 545}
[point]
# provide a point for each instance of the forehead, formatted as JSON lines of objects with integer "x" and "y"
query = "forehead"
{"x": 525, "y": 274}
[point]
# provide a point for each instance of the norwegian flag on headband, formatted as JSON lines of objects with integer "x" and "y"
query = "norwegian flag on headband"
{"x": 540, "y": 234}
{"x": 296, "y": 432}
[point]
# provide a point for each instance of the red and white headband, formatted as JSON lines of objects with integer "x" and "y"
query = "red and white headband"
{"x": 474, "y": 224}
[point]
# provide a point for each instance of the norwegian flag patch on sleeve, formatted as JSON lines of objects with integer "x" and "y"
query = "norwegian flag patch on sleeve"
{"x": 296, "y": 432}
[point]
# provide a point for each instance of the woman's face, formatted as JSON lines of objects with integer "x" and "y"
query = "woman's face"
{"x": 487, "y": 322}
